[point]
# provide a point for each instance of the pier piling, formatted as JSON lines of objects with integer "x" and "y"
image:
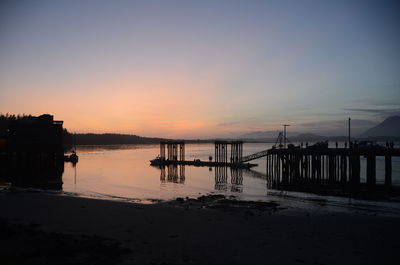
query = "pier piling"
{"x": 371, "y": 171}
{"x": 388, "y": 170}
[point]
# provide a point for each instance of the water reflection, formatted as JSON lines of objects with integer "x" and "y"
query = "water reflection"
{"x": 237, "y": 180}
{"x": 221, "y": 177}
{"x": 33, "y": 170}
{"x": 174, "y": 174}
{"x": 126, "y": 173}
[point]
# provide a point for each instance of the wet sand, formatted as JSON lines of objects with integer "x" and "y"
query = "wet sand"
{"x": 40, "y": 228}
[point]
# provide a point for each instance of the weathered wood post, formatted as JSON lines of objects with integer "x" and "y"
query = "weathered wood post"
{"x": 355, "y": 171}
{"x": 331, "y": 166}
{"x": 279, "y": 167}
{"x": 388, "y": 170}
{"x": 371, "y": 171}
{"x": 343, "y": 169}
{"x": 313, "y": 165}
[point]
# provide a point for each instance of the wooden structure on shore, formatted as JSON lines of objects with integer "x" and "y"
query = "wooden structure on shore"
{"x": 31, "y": 151}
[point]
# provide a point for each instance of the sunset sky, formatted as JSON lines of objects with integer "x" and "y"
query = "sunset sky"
{"x": 199, "y": 69}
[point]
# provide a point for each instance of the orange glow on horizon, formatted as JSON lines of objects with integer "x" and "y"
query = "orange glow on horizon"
{"x": 165, "y": 106}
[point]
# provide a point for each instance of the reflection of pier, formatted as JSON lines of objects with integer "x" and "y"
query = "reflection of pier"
{"x": 175, "y": 174}
{"x": 176, "y": 155}
{"x": 237, "y": 179}
{"x": 255, "y": 174}
{"x": 221, "y": 179}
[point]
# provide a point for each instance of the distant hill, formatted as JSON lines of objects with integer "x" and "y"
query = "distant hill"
{"x": 388, "y": 128}
{"x": 260, "y": 135}
{"x": 293, "y": 136}
{"x": 308, "y": 137}
{"x": 270, "y": 136}
{"x": 111, "y": 138}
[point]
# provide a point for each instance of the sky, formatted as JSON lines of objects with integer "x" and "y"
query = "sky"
{"x": 200, "y": 69}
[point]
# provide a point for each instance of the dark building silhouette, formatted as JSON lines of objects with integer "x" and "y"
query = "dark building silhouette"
{"x": 31, "y": 151}
{"x": 31, "y": 133}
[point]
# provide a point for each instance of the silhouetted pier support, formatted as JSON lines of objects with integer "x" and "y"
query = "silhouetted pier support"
{"x": 221, "y": 151}
{"x": 175, "y": 150}
{"x": 236, "y": 151}
{"x": 354, "y": 171}
{"x": 343, "y": 169}
{"x": 328, "y": 168}
{"x": 162, "y": 150}
{"x": 388, "y": 170}
{"x": 371, "y": 171}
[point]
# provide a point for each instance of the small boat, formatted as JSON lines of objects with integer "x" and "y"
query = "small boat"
{"x": 71, "y": 158}
{"x": 157, "y": 161}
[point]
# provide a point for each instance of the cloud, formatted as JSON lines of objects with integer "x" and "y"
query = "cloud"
{"x": 336, "y": 127}
{"x": 226, "y": 124}
{"x": 379, "y": 112}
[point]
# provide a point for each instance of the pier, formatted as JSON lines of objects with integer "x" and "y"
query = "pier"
{"x": 314, "y": 168}
{"x": 176, "y": 155}
{"x": 321, "y": 169}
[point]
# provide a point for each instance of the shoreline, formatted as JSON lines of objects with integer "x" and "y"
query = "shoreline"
{"x": 207, "y": 230}
{"x": 299, "y": 201}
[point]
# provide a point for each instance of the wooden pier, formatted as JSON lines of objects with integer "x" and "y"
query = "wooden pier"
{"x": 312, "y": 168}
{"x": 200, "y": 163}
{"x": 176, "y": 155}
{"x": 339, "y": 168}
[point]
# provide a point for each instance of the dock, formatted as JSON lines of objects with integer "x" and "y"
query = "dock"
{"x": 173, "y": 153}
{"x": 199, "y": 163}
{"x": 314, "y": 168}
{"x": 324, "y": 170}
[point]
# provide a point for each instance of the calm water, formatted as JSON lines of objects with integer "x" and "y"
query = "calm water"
{"x": 124, "y": 172}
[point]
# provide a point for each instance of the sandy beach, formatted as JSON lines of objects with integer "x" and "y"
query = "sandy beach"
{"x": 41, "y": 228}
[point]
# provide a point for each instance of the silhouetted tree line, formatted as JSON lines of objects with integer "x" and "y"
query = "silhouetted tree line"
{"x": 108, "y": 139}
{"x": 9, "y": 123}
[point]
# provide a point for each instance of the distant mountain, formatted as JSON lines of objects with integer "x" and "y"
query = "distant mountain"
{"x": 110, "y": 138}
{"x": 262, "y": 135}
{"x": 308, "y": 137}
{"x": 388, "y": 128}
{"x": 292, "y": 136}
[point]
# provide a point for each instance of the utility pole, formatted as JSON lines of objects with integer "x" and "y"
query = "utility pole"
{"x": 349, "y": 132}
{"x": 284, "y": 134}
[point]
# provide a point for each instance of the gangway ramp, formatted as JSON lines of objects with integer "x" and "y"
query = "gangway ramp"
{"x": 254, "y": 156}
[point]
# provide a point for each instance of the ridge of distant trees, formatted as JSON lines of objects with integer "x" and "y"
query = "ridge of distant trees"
{"x": 69, "y": 139}
{"x": 108, "y": 139}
